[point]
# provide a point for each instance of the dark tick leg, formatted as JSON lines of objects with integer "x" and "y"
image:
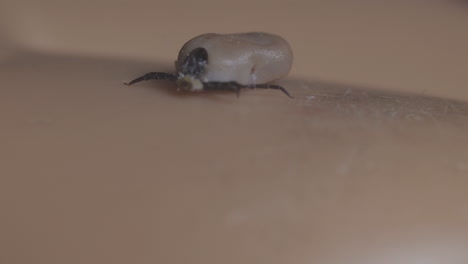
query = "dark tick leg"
{"x": 223, "y": 86}
{"x": 236, "y": 87}
{"x": 272, "y": 86}
{"x": 154, "y": 76}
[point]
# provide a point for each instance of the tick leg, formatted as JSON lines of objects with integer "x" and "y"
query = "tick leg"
{"x": 272, "y": 86}
{"x": 154, "y": 76}
{"x": 223, "y": 86}
{"x": 236, "y": 87}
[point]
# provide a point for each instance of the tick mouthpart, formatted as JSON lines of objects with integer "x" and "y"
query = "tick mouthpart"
{"x": 189, "y": 83}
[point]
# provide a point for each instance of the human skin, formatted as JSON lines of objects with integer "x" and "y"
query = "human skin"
{"x": 93, "y": 171}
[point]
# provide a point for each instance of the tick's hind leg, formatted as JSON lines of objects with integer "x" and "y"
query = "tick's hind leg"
{"x": 154, "y": 76}
{"x": 272, "y": 86}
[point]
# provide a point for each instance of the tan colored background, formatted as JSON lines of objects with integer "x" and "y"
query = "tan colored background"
{"x": 417, "y": 46}
{"x": 360, "y": 167}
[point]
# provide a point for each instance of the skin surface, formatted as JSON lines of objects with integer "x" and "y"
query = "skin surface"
{"x": 352, "y": 170}
{"x": 98, "y": 172}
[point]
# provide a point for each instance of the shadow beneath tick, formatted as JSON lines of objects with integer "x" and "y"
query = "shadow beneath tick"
{"x": 171, "y": 89}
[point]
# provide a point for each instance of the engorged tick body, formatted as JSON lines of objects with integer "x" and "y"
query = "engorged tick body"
{"x": 229, "y": 62}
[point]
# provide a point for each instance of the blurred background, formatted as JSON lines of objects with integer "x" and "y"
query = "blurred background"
{"x": 416, "y": 46}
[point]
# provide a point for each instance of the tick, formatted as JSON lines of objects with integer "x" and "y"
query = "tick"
{"x": 229, "y": 62}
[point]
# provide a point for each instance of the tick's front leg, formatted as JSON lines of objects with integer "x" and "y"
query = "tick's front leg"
{"x": 154, "y": 76}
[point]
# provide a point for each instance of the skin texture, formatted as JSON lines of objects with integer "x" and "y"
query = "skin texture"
{"x": 246, "y": 58}
{"x": 349, "y": 171}
{"x": 94, "y": 171}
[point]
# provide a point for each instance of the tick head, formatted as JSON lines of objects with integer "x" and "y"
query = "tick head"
{"x": 194, "y": 63}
